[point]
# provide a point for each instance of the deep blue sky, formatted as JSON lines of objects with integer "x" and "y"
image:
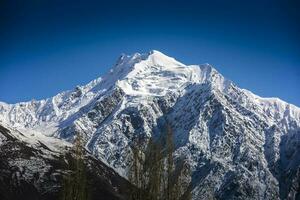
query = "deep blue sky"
{"x": 50, "y": 46}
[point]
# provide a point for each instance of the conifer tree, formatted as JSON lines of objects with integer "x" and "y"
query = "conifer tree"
{"x": 154, "y": 169}
{"x": 170, "y": 162}
{"x": 154, "y": 172}
{"x": 136, "y": 175}
{"x": 75, "y": 183}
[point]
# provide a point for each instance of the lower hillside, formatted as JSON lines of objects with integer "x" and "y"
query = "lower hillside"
{"x": 40, "y": 174}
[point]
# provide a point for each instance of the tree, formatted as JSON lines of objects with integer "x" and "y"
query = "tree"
{"x": 75, "y": 183}
{"x": 170, "y": 162}
{"x": 136, "y": 175}
{"x": 154, "y": 172}
{"x": 154, "y": 169}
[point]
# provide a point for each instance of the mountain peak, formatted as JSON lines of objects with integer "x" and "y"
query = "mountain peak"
{"x": 157, "y": 74}
{"x": 158, "y": 58}
{"x": 157, "y": 54}
{"x": 153, "y": 57}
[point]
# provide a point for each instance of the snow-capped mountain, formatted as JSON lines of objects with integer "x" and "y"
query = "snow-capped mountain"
{"x": 239, "y": 145}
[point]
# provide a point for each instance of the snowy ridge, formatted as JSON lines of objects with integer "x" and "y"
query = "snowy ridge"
{"x": 151, "y": 74}
{"x": 49, "y": 112}
{"x": 282, "y": 108}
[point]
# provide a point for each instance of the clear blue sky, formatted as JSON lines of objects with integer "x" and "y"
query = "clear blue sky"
{"x": 50, "y": 46}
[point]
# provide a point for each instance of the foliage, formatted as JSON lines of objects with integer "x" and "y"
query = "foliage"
{"x": 75, "y": 183}
{"x": 154, "y": 172}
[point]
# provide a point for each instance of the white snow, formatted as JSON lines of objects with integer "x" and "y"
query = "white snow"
{"x": 142, "y": 76}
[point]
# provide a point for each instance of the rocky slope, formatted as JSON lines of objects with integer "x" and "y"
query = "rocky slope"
{"x": 34, "y": 171}
{"x": 240, "y": 146}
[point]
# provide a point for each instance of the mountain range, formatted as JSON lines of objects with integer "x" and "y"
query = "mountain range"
{"x": 238, "y": 145}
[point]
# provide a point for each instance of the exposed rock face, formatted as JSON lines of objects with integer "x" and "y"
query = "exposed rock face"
{"x": 240, "y": 146}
